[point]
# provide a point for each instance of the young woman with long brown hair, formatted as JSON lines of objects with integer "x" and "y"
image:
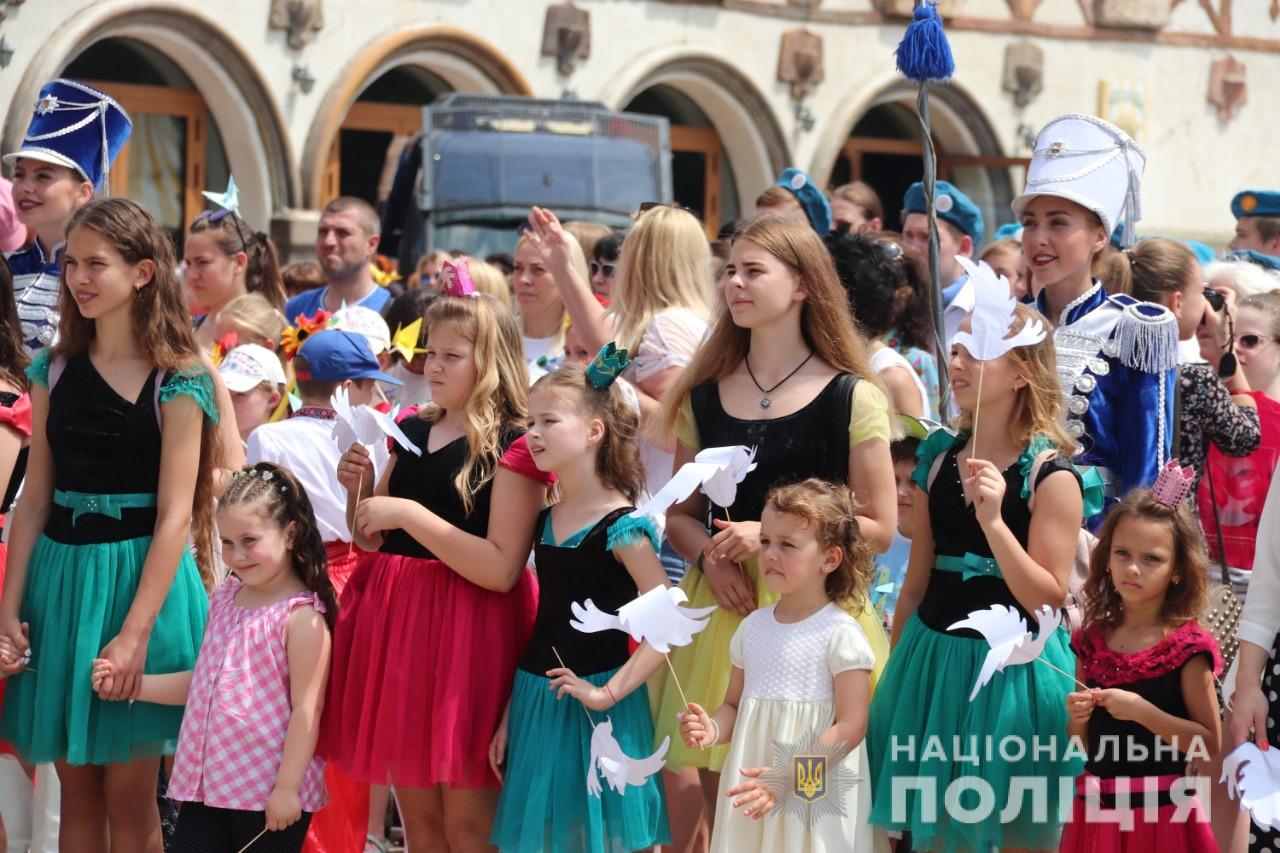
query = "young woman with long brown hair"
{"x": 784, "y": 370}
{"x": 123, "y": 453}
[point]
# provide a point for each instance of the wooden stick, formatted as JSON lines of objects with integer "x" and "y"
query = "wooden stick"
{"x": 359, "y": 485}
{"x": 742, "y": 570}
{"x": 977, "y": 406}
{"x": 590, "y": 721}
{"x": 676, "y": 680}
{"x": 1067, "y": 674}
{"x": 255, "y": 838}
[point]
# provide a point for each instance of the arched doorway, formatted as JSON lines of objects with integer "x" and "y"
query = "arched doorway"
{"x": 726, "y": 142}
{"x": 176, "y": 150}
{"x": 701, "y": 173}
{"x": 385, "y": 117}
{"x": 884, "y": 148}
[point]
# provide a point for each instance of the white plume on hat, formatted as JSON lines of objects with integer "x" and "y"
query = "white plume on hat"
{"x": 1091, "y": 162}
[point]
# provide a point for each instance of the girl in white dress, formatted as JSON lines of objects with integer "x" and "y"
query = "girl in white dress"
{"x": 800, "y": 687}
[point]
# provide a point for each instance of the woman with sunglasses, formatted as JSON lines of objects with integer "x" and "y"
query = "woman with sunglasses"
{"x": 1232, "y": 494}
{"x": 225, "y": 259}
{"x": 604, "y": 263}
{"x": 1209, "y": 411}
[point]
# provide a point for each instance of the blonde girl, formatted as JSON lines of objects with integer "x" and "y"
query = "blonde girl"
{"x": 546, "y": 257}
{"x": 997, "y": 518}
{"x": 432, "y": 622}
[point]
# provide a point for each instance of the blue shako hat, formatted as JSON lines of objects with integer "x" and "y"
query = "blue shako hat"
{"x": 77, "y": 126}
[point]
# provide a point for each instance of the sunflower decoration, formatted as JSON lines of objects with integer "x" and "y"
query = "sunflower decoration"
{"x": 294, "y": 336}
{"x": 383, "y": 269}
{"x": 221, "y": 347}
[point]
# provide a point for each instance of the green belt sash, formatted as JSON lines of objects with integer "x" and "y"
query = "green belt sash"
{"x": 969, "y": 566}
{"x": 82, "y": 503}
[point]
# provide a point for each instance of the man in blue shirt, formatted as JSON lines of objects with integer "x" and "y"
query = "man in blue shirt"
{"x": 345, "y": 246}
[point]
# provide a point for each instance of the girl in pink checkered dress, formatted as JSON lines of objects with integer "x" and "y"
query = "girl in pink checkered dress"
{"x": 246, "y": 771}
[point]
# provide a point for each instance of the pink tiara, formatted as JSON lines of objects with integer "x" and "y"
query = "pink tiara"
{"x": 1173, "y": 486}
{"x": 456, "y": 280}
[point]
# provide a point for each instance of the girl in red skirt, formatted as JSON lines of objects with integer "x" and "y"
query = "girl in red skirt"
{"x": 432, "y": 623}
{"x": 1150, "y": 708}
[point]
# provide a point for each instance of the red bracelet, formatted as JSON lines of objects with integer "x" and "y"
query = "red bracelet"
{"x": 610, "y": 692}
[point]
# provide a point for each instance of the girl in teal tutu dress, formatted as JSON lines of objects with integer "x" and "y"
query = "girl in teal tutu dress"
{"x": 587, "y": 546}
{"x": 123, "y": 450}
{"x": 997, "y": 524}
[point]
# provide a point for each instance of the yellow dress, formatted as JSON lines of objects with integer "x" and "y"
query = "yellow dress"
{"x": 704, "y": 666}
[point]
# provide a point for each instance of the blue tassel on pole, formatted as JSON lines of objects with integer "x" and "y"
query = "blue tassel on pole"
{"x": 923, "y": 54}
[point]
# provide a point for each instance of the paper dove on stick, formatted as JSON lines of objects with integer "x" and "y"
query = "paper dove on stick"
{"x": 993, "y": 316}
{"x": 716, "y": 470}
{"x": 618, "y": 769}
{"x": 1252, "y": 776}
{"x": 1006, "y": 632}
{"x": 654, "y": 617}
{"x": 365, "y": 425}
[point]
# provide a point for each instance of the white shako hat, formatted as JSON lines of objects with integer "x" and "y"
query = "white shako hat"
{"x": 1091, "y": 162}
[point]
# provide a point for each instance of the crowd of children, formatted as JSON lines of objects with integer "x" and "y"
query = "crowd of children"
{"x": 201, "y": 586}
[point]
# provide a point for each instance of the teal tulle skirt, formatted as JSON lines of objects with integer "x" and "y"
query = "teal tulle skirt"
{"x": 76, "y": 600}
{"x": 545, "y": 804}
{"x": 923, "y": 732}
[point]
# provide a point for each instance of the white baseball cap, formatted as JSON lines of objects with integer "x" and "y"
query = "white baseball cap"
{"x": 363, "y": 321}
{"x": 248, "y": 366}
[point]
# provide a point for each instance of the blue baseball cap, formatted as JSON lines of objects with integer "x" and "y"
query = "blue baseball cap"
{"x": 812, "y": 200}
{"x": 1256, "y": 203}
{"x": 336, "y": 356}
{"x": 950, "y": 205}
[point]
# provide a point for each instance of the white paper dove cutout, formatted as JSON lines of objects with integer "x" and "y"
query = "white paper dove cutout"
{"x": 365, "y": 425}
{"x": 716, "y": 470}
{"x": 618, "y": 769}
{"x": 655, "y": 618}
{"x": 1252, "y": 776}
{"x": 1006, "y": 632}
{"x": 993, "y": 315}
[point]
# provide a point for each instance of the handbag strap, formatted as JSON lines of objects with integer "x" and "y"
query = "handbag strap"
{"x": 1217, "y": 525}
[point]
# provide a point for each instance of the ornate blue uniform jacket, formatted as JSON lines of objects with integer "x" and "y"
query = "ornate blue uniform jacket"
{"x": 35, "y": 289}
{"x": 1117, "y": 365}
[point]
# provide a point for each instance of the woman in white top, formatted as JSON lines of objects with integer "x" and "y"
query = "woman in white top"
{"x": 658, "y": 312}
{"x": 546, "y": 266}
{"x": 866, "y": 269}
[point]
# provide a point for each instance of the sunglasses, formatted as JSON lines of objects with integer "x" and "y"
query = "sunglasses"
{"x": 1248, "y": 342}
{"x": 214, "y": 216}
{"x": 646, "y": 206}
{"x": 607, "y": 270}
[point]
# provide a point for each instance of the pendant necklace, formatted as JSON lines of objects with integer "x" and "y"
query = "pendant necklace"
{"x": 765, "y": 402}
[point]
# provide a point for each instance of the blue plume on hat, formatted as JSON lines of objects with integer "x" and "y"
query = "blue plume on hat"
{"x": 77, "y": 126}
{"x": 924, "y": 54}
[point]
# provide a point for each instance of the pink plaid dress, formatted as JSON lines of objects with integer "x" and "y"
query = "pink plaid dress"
{"x": 232, "y": 738}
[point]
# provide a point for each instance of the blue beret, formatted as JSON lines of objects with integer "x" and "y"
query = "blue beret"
{"x": 1267, "y": 262}
{"x": 950, "y": 205}
{"x": 1010, "y": 230}
{"x": 1204, "y": 253}
{"x": 1256, "y": 203}
{"x": 812, "y": 200}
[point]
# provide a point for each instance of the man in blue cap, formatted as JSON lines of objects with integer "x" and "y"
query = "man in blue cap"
{"x": 960, "y": 231}
{"x": 795, "y": 192}
{"x": 75, "y": 134}
{"x": 1257, "y": 214}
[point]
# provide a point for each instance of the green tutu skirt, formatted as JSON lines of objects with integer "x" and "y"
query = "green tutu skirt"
{"x": 76, "y": 600}
{"x": 924, "y": 733}
{"x": 545, "y": 804}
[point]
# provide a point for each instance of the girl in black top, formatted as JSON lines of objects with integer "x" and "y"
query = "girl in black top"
{"x": 1150, "y": 707}
{"x": 587, "y": 546}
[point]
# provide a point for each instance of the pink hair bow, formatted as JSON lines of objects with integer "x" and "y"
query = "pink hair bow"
{"x": 1173, "y": 486}
{"x": 456, "y": 280}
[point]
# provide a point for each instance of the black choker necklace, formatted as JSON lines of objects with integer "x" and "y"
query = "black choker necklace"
{"x": 765, "y": 402}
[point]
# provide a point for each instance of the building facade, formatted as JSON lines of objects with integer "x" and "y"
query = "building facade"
{"x": 303, "y": 100}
